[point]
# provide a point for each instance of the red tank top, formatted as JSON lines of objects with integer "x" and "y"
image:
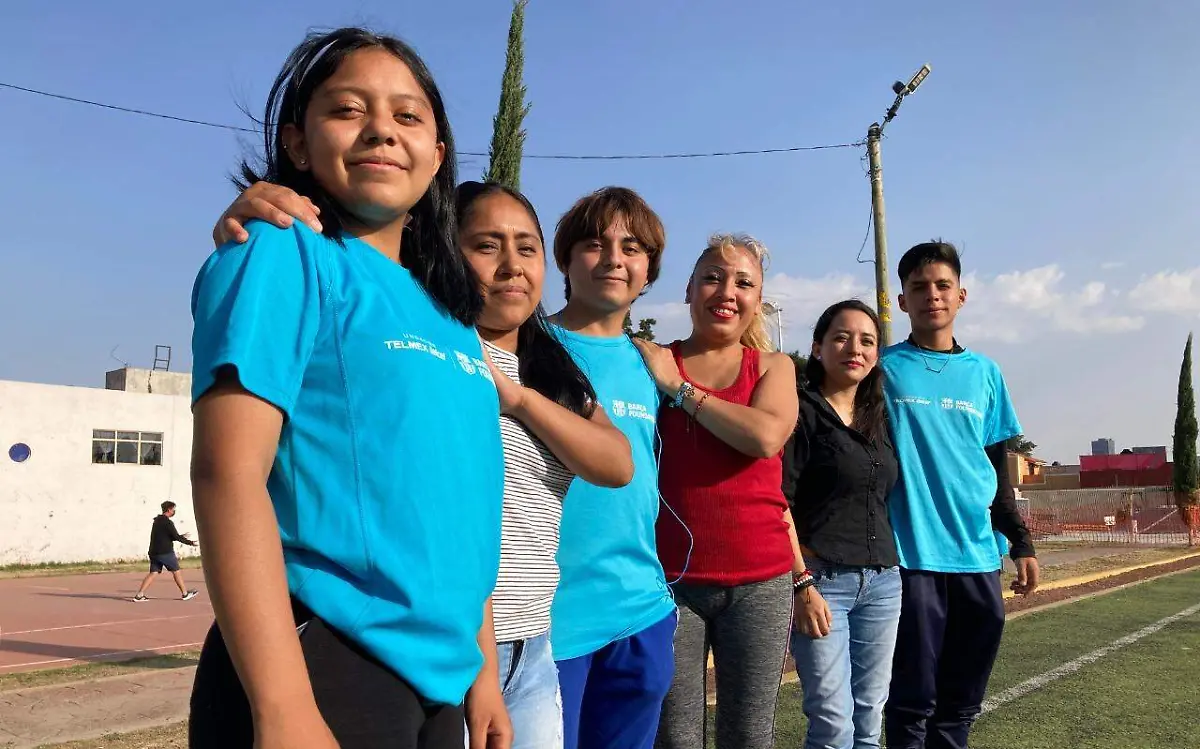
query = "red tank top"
{"x": 732, "y": 503}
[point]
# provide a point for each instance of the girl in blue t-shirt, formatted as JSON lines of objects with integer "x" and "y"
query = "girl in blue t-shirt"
{"x": 552, "y": 427}
{"x": 338, "y": 384}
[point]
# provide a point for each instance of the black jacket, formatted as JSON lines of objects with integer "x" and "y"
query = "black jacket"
{"x": 163, "y": 537}
{"x": 837, "y": 483}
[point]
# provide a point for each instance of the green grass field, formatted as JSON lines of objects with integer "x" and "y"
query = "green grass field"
{"x": 56, "y": 569}
{"x": 1143, "y": 696}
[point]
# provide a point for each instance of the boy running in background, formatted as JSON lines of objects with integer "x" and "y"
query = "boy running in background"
{"x": 951, "y": 416}
{"x": 162, "y": 553}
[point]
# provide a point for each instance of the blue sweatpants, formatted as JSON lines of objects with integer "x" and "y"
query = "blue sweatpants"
{"x": 612, "y": 698}
{"x": 948, "y": 638}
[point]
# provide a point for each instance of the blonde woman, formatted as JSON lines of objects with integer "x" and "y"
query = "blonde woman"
{"x": 727, "y": 540}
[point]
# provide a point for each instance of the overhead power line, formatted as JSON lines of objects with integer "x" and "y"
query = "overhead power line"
{"x": 548, "y": 157}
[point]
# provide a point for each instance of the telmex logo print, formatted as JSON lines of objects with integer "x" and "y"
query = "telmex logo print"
{"x": 464, "y": 361}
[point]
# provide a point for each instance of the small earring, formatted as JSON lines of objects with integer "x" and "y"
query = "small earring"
{"x": 303, "y": 162}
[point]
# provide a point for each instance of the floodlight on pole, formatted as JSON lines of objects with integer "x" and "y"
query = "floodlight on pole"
{"x": 875, "y": 159}
{"x": 917, "y": 79}
{"x": 902, "y": 90}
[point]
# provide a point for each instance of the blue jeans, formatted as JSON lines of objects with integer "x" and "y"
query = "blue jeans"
{"x": 529, "y": 680}
{"x": 845, "y": 675}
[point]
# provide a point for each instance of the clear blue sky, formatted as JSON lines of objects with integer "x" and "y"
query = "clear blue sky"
{"x": 1057, "y": 144}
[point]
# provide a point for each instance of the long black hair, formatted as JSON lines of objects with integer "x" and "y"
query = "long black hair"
{"x": 870, "y": 411}
{"x": 430, "y": 250}
{"x": 544, "y": 364}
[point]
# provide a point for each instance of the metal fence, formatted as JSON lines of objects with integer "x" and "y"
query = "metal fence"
{"x": 1138, "y": 515}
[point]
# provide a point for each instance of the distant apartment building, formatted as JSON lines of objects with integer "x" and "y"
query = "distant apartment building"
{"x": 1104, "y": 446}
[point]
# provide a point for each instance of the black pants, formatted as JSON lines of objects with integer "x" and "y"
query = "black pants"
{"x": 364, "y": 704}
{"x": 950, "y": 627}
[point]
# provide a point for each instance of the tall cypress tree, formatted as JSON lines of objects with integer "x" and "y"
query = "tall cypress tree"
{"x": 508, "y": 137}
{"x": 1186, "y": 480}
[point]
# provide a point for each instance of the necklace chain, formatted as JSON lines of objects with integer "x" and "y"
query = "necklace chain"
{"x": 929, "y": 368}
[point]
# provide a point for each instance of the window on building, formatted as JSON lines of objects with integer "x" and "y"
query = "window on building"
{"x": 110, "y": 446}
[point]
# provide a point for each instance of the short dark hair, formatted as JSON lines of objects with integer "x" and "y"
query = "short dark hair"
{"x": 167, "y": 506}
{"x": 431, "y": 241}
{"x": 928, "y": 253}
{"x": 591, "y": 216}
{"x": 542, "y": 360}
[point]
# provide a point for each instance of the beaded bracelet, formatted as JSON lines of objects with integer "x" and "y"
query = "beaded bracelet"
{"x": 805, "y": 581}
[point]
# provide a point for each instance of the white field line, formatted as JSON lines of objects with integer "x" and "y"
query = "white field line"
{"x": 1037, "y": 682}
{"x": 99, "y": 656}
{"x": 100, "y": 624}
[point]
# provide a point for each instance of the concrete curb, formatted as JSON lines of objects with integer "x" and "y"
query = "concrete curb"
{"x": 1071, "y": 582}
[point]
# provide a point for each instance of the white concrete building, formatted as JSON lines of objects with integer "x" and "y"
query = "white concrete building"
{"x": 84, "y": 470}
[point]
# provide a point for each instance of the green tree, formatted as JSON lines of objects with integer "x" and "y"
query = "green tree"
{"x": 1185, "y": 480}
{"x": 1021, "y": 446}
{"x": 645, "y": 329}
{"x": 508, "y": 137}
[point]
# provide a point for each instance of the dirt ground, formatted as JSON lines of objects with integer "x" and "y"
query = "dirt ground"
{"x": 1044, "y": 597}
{"x": 173, "y": 736}
{"x": 75, "y": 711}
{"x": 1062, "y": 561}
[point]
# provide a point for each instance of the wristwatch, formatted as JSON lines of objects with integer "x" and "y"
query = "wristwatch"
{"x": 686, "y": 390}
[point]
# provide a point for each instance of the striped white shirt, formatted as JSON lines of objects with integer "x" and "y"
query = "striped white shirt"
{"x": 535, "y": 482}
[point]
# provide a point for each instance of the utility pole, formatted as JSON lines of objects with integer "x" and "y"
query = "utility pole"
{"x": 883, "y": 302}
{"x": 883, "y": 298}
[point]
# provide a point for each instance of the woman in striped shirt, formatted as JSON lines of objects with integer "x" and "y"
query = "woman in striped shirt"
{"x": 552, "y": 430}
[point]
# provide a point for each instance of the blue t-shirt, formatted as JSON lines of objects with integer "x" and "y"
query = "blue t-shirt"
{"x": 388, "y": 477}
{"x": 612, "y": 584}
{"x": 944, "y": 410}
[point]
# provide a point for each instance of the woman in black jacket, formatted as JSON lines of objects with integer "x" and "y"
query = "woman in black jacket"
{"x": 839, "y": 468}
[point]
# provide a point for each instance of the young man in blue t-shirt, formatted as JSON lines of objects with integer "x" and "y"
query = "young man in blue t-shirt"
{"x": 613, "y": 619}
{"x": 951, "y": 416}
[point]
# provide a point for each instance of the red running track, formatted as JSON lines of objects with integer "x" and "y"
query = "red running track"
{"x": 50, "y": 622}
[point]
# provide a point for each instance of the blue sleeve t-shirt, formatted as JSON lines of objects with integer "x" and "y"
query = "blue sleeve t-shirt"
{"x": 388, "y": 477}
{"x": 612, "y": 585}
{"x": 944, "y": 410}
